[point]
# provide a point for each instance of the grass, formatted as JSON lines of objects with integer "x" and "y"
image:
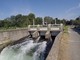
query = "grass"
{"x": 65, "y": 29}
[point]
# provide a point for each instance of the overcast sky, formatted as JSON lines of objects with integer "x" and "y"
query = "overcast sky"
{"x": 67, "y": 9}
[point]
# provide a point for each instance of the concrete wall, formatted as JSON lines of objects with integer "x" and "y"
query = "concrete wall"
{"x": 13, "y": 34}
{"x": 54, "y": 52}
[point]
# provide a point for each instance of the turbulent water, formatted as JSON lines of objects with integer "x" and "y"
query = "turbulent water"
{"x": 24, "y": 51}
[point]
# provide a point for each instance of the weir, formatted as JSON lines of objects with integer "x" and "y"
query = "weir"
{"x": 47, "y": 33}
{"x": 45, "y": 30}
{"x": 36, "y": 46}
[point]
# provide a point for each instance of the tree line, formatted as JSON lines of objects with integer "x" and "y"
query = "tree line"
{"x": 25, "y": 20}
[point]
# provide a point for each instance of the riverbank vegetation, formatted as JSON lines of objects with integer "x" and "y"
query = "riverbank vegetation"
{"x": 20, "y": 21}
{"x": 65, "y": 28}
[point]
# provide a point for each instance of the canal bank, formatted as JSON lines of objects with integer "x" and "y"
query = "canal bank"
{"x": 51, "y": 37}
{"x": 47, "y": 49}
{"x": 54, "y": 52}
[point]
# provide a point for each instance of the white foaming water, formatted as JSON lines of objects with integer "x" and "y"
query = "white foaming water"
{"x": 24, "y": 51}
{"x": 40, "y": 52}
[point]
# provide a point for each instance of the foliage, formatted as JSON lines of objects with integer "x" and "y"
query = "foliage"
{"x": 38, "y": 20}
{"x": 48, "y": 19}
{"x": 20, "y": 20}
{"x": 65, "y": 29}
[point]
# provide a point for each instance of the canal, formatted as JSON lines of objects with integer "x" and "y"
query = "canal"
{"x": 27, "y": 49}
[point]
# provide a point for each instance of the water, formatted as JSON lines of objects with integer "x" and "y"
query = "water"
{"x": 24, "y": 51}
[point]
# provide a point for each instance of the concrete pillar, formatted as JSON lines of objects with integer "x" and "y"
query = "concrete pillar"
{"x": 61, "y": 27}
{"x": 33, "y": 22}
{"x": 49, "y": 27}
{"x": 43, "y": 22}
{"x": 29, "y": 27}
{"x": 47, "y": 35}
{"x": 38, "y": 27}
{"x": 55, "y": 21}
{"x": 35, "y": 34}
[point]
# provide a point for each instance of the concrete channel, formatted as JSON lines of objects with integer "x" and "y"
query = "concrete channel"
{"x": 52, "y": 38}
{"x": 54, "y": 52}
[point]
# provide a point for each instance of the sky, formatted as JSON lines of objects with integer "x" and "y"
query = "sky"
{"x": 68, "y": 9}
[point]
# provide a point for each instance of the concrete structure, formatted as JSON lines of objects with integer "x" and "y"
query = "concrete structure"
{"x": 54, "y": 52}
{"x": 47, "y": 35}
{"x": 45, "y": 30}
{"x": 36, "y": 31}
{"x": 48, "y": 31}
{"x": 13, "y": 34}
{"x": 35, "y": 34}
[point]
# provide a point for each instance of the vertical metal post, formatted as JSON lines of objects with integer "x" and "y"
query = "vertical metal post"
{"x": 43, "y": 22}
{"x": 33, "y": 22}
{"x": 55, "y": 21}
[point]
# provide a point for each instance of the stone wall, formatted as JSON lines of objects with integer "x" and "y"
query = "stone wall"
{"x": 54, "y": 52}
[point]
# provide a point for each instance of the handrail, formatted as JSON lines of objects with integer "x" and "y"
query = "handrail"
{"x": 49, "y": 26}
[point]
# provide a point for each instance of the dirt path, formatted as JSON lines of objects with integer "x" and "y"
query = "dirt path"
{"x": 63, "y": 53}
{"x": 70, "y": 46}
{"x": 74, "y": 45}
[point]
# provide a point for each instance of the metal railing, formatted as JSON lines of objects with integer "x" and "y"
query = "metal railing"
{"x": 49, "y": 26}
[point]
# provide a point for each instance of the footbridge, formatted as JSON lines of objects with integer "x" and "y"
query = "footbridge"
{"x": 45, "y": 30}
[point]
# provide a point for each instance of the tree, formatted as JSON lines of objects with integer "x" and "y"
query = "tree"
{"x": 31, "y": 18}
{"x": 38, "y": 20}
{"x": 25, "y": 20}
{"x": 63, "y": 21}
{"x": 6, "y": 23}
{"x": 57, "y": 21}
{"x": 77, "y": 21}
{"x": 48, "y": 19}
